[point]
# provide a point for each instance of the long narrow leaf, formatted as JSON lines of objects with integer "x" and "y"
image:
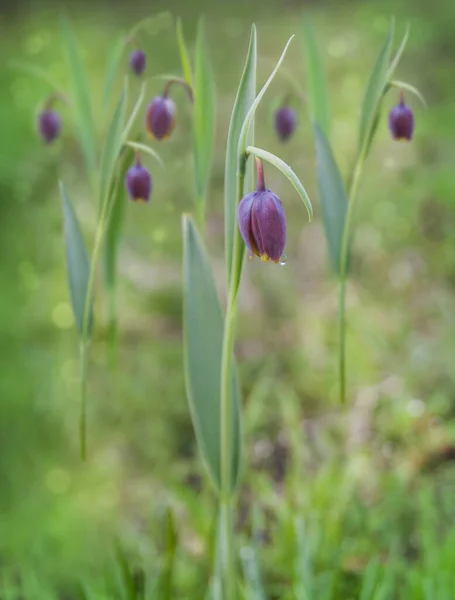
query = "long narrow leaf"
{"x": 243, "y": 137}
{"x": 391, "y": 70}
{"x": 318, "y": 98}
{"x": 375, "y": 89}
{"x": 243, "y": 101}
{"x": 333, "y": 196}
{"x": 112, "y": 146}
{"x": 203, "y": 340}
{"x": 204, "y": 119}
{"x": 78, "y": 263}
{"x": 134, "y": 112}
{"x": 82, "y": 98}
{"x": 184, "y": 55}
{"x": 112, "y": 68}
{"x": 286, "y": 170}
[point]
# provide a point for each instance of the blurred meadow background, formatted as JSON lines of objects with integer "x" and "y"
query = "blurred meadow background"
{"x": 334, "y": 504}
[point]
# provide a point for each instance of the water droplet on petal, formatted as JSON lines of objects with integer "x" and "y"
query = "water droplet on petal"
{"x": 283, "y": 259}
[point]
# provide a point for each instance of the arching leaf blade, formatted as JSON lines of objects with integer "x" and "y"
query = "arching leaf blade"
{"x": 318, "y": 98}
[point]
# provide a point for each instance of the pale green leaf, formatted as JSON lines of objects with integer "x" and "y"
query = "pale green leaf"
{"x": 318, "y": 99}
{"x": 203, "y": 342}
{"x": 333, "y": 196}
{"x": 36, "y": 71}
{"x": 204, "y": 119}
{"x": 402, "y": 85}
{"x": 81, "y": 97}
{"x": 146, "y": 149}
{"x": 245, "y": 97}
{"x": 286, "y": 170}
{"x": 375, "y": 90}
{"x": 398, "y": 55}
{"x": 112, "y": 147}
{"x": 243, "y": 137}
{"x": 112, "y": 68}
{"x": 184, "y": 55}
{"x": 134, "y": 112}
{"x": 78, "y": 267}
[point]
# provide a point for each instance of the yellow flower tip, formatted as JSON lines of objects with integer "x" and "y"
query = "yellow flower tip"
{"x": 264, "y": 257}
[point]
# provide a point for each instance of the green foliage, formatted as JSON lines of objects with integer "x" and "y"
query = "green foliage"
{"x": 78, "y": 265}
{"x": 333, "y": 196}
{"x": 318, "y": 98}
{"x": 203, "y": 340}
{"x": 184, "y": 54}
{"x": 246, "y": 94}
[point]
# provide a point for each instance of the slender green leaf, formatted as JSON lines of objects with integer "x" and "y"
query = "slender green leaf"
{"x": 151, "y": 25}
{"x": 252, "y": 573}
{"x": 370, "y": 579}
{"x": 402, "y": 85}
{"x": 184, "y": 55}
{"x": 204, "y": 119}
{"x": 36, "y": 71}
{"x": 112, "y": 68}
{"x": 203, "y": 341}
{"x": 398, "y": 55}
{"x": 112, "y": 147}
{"x": 146, "y": 149}
{"x": 78, "y": 264}
{"x": 287, "y": 172}
{"x": 243, "y": 137}
{"x": 115, "y": 220}
{"x": 318, "y": 98}
{"x": 81, "y": 97}
{"x": 134, "y": 112}
{"x": 243, "y": 101}
{"x": 375, "y": 90}
{"x": 333, "y": 196}
{"x": 168, "y": 557}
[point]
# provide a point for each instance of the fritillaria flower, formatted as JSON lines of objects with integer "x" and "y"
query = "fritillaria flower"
{"x": 137, "y": 62}
{"x": 285, "y": 122}
{"x": 138, "y": 182}
{"x": 262, "y": 221}
{"x": 49, "y": 125}
{"x": 401, "y": 121}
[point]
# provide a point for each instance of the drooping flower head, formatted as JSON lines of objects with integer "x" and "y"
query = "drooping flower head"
{"x": 49, "y": 125}
{"x": 401, "y": 121}
{"x": 285, "y": 122}
{"x": 262, "y": 221}
{"x": 138, "y": 61}
{"x": 138, "y": 182}
{"x": 160, "y": 116}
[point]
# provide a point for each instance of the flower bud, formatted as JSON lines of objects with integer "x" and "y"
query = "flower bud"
{"x": 160, "y": 117}
{"x": 138, "y": 62}
{"x": 401, "y": 121}
{"x": 262, "y": 222}
{"x": 49, "y": 125}
{"x": 285, "y": 122}
{"x": 138, "y": 182}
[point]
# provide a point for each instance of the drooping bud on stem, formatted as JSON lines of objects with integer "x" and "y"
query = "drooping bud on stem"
{"x": 401, "y": 120}
{"x": 160, "y": 116}
{"x": 260, "y": 171}
{"x": 138, "y": 181}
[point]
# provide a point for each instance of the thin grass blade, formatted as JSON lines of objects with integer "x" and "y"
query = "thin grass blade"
{"x": 81, "y": 97}
{"x": 204, "y": 120}
{"x": 112, "y": 69}
{"x": 318, "y": 98}
{"x": 396, "y": 60}
{"x": 203, "y": 340}
{"x": 184, "y": 54}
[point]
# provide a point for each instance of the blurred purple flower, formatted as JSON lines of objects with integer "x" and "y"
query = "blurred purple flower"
{"x": 285, "y": 122}
{"x": 138, "y": 182}
{"x": 49, "y": 125}
{"x": 401, "y": 121}
{"x": 160, "y": 117}
{"x": 138, "y": 61}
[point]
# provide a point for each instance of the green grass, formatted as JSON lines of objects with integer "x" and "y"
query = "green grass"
{"x": 352, "y": 505}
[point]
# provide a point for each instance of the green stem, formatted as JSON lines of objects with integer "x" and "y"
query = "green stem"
{"x": 344, "y": 270}
{"x": 85, "y": 338}
{"x": 226, "y": 502}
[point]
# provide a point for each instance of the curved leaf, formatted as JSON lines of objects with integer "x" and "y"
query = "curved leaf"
{"x": 146, "y": 149}
{"x": 134, "y": 112}
{"x": 375, "y": 90}
{"x": 249, "y": 116}
{"x": 184, "y": 55}
{"x": 245, "y": 97}
{"x": 81, "y": 97}
{"x": 287, "y": 172}
{"x": 204, "y": 119}
{"x": 399, "y": 53}
{"x": 112, "y": 67}
{"x": 203, "y": 341}
{"x": 318, "y": 98}
{"x": 78, "y": 264}
{"x": 402, "y": 85}
{"x": 333, "y": 196}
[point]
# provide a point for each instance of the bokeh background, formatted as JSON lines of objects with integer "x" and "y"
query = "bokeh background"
{"x": 328, "y": 496}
